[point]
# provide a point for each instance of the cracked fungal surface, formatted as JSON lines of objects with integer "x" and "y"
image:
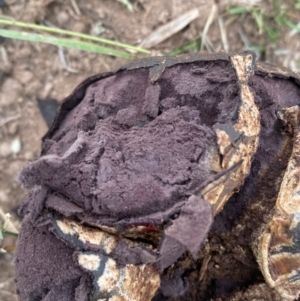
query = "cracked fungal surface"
{"x": 144, "y": 141}
{"x": 161, "y": 181}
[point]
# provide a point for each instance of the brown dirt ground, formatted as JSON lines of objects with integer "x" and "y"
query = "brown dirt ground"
{"x": 29, "y": 71}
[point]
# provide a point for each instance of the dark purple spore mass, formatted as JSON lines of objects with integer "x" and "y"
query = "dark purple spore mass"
{"x": 46, "y": 269}
{"x": 129, "y": 148}
{"x": 126, "y": 150}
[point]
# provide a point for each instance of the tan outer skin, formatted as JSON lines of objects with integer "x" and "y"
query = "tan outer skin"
{"x": 237, "y": 141}
{"x": 278, "y": 255}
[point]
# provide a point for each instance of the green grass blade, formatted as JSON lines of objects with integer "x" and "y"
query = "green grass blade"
{"x": 259, "y": 21}
{"x": 273, "y": 34}
{"x": 237, "y": 10}
{"x": 292, "y": 25}
{"x": 33, "y": 37}
{"x": 6, "y": 232}
{"x": 73, "y": 34}
{"x": 189, "y": 46}
{"x": 256, "y": 48}
{"x": 128, "y": 4}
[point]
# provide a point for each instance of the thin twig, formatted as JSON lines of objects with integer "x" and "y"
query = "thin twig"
{"x": 244, "y": 38}
{"x": 208, "y": 45}
{"x": 209, "y": 21}
{"x": 4, "y": 56}
{"x": 128, "y": 4}
{"x": 9, "y": 119}
{"x": 223, "y": 34}
{"x": 75, "y": 7}
{"x": 64, "y": 62}
{"x": 295, "y": 30}
{"x": 166, "y": 31}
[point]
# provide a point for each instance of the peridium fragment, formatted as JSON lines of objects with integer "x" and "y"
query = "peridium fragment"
{"x": 279, "y": 245}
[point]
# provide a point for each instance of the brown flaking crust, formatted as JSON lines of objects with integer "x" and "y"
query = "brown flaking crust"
{"x": 129, "y": 282}
{"x": 135, "y": 283}
{"x": 275, "y": 71}
{"x": 278, "y": 249}
{"x": 237, "y": 140}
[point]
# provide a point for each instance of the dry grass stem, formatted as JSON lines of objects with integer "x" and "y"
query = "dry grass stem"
{"x": 75, "y": 7}
{"x": 8, "y": 225}
{"x": 247, "y": 3}
{"x": 295, "y": 30}
{"x": 9, "y": 119}
{"x": 223, "y": 34}
{"x": 208, "y": 45}
{"x": 244, "y": 38}
{"x": 209, "y": 21}
{"x": 166, "y": 31}
{"x": 63, "y": 60}
{"x": 3, "y": 54}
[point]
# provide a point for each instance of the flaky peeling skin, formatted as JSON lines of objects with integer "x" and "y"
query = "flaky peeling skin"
{"x": 78, "y": 235}
{"x": 140, "y": 283}
{"x": 237, "y": 140}
{"x": 274, "y": 71}
{"x": 279, "y": 255}
{"x": 87, "y": 237}
{"x": 112, "y": 283}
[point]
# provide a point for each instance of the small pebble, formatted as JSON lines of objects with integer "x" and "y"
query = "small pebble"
{"x": 97, "y": 29}
{"x": 62, "y": 18}
{"x": 15, "y": 146}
